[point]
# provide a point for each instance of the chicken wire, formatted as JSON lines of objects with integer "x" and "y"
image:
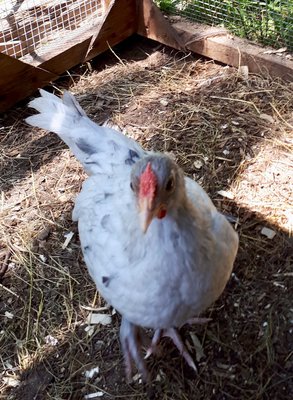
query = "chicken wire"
{"x": 269, "y": 22}
{"x": 30, "y": 29}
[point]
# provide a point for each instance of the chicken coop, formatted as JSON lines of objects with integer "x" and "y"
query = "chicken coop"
{"x": 41, "y": 39}
{"x": 209, "y": 83}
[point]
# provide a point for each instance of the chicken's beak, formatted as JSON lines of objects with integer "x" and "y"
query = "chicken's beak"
{"x": 146, "y": 210}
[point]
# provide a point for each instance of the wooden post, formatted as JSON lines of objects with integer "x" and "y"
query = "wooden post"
{"x": 153, "y": 25}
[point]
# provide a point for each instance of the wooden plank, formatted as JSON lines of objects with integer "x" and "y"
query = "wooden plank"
{"x": 119, "y": 22}
{"x": 233, "y": 51}
{"x": 153, "y": 25}
{"x": 211, "y": 42}
{"x": 18, "y": 80}
{"x": 68, "y": 59}
{"x": 116, "y": 26}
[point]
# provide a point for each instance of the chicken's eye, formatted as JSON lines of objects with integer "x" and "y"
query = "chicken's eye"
{"x": 169, "y": 185}
{"x": 131, "y": 186}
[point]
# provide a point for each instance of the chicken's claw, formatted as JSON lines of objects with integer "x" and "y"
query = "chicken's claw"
{"x": 173, "y": 334}
{"x": 155, "y": 340}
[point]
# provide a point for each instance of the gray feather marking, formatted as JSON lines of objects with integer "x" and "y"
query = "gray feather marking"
{"x": 174, "y": 236}
{"x": 116, "y": 146}
{"x": 88, "y": 161}
{"x": 92, "y": 163}
{"x": 106, "y": 280}
{"x": 85, "y": 147}
{"x": 132, "y": 154}
{"x": 105, "y": 221}
{"x": 69, "y": 100}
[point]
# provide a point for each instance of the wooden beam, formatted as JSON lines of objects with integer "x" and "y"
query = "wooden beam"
{"x": 233, "y": 51}
{"x": 212, "y": 42}
{"x": 18, "y": 80}
{"x": 119, "y": 22}
{"x": 153, "y": 25}
{"x": 69, "y": 58}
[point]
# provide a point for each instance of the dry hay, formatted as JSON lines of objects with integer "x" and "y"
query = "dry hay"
{"x": 228, "y": 131}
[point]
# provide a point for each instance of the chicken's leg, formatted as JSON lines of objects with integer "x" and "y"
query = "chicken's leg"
{"x": 131, "y": 340}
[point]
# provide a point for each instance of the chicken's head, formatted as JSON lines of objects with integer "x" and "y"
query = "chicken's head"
{"x": 158, "y": 184}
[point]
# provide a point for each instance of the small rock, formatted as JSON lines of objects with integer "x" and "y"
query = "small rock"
{"x": 269, "y": 233}
{"x": 164, "y": 102}
{"x": 198, "y": 164}
{"x": 8, "y": 315}
{"x": 42, "y": 258}
{"x": 51, "y": 340}
{"x": 92, "y": 372}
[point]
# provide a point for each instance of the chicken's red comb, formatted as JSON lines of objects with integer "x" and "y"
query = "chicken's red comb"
{"x": 148, "y": 182}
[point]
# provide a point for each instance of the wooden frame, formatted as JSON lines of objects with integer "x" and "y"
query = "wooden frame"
{"x": 19, "y": 79}
{"x": 121, "y": 19}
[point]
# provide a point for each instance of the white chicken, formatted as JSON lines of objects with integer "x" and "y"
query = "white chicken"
{"x": 155, "y": 245}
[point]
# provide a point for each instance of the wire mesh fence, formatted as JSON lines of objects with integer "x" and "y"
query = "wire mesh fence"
{"x": 29, "y": 29}
{"x": 269, "y": 22}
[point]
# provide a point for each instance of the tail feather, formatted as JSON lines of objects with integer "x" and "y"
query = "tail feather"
{"x": 97, "y": 148}
{"x": 70, "y": 101}
{"x": 55, "y": 114}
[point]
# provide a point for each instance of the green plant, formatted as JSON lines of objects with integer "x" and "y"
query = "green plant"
{"x": 265, "y": 21}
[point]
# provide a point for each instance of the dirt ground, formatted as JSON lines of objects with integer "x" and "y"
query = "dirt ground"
{"x": 230, "y": 131}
